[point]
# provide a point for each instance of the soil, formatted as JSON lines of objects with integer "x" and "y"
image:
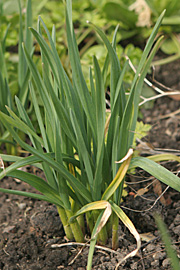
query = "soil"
{"x": 29, "y": 228}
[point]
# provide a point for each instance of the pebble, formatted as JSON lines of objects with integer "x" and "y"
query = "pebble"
{"x": 150, "y": 247}
{"x": 177, "y": 220}
{"x": 176, "y": 230}
{"x": 159, "y": 256}
{"x": 155, "y": 263}
{"x": 36, "y": 267}
{"x": 134, "y": 266}
{"x": 22, "y": 206}
{"x": 166, "y": 263}
{"x": 114, "y": 261}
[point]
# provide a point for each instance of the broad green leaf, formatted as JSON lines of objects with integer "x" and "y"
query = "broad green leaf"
{"x": 120, "y": 12}
{"x": 157, "y": 171}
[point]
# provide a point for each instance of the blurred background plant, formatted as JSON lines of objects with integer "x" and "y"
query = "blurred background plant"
{"x": 14, "y": 73}
{"x": 135, "y": 18}
{"x": 171, "y": 253}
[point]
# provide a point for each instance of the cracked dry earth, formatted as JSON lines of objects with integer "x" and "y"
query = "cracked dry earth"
{"x": 29, "y": 228}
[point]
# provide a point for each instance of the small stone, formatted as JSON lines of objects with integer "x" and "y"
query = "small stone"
{"x": 134, "y": 266}
{"x": 114, "y": 261}
{"x": 177, "y": 220}
{"x": 166, "y": 263}
{"x": 35, "y": 267}
{"x": 159, "y": 255}
{"x": 155, "y": 263}
{"x": 22, "y": 206}
{"x": 148, "y": 119}
{"x": 150, "y": 247}
{"x": 17, "y": 180}
{"x": 176, "y": 230}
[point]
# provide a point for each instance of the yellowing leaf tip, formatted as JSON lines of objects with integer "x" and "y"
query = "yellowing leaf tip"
{"x": 129, "y": 153}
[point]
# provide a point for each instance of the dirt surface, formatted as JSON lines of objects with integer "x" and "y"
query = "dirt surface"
{"x": 29, "y": 228}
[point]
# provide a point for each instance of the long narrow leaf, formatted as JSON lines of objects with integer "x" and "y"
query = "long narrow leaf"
{"x": 27, "y": 194}
{"x": 138, "y": 88}
{"x": 17, "y": 123}
{"x": 97, "y": 205}
{"x": 82, "y": 149}
{"x": 175, "y": 262}
{"x": 93, "y": 241}
{"x": 117, "y": 180}
{"x": 39, "y": 184}
{"x": 74, "y": 182}
{"x": 77, "y": 74}
{"x": 127, "y": 222}
{"x": 115, "y": 65}
{"x": 157, "y": 171}
{"x": 39, "y": 117}
{"x": 70, "y": 92}
{"x": 148, "y": 47}
{"x": 21, "y": 63}
{"x": 29, "y": 40}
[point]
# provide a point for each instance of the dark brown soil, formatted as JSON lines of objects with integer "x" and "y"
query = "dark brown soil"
{"x": 29, "y": 228}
